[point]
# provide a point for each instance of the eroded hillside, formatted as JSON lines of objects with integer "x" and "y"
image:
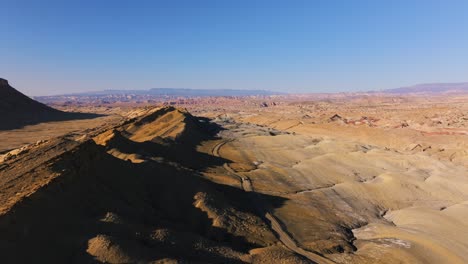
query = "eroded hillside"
{"x": 134, "y": 193}
{"x": 164, "y": 186}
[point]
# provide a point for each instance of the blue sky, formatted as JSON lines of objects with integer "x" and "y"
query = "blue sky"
{"x": 51, "y": 47}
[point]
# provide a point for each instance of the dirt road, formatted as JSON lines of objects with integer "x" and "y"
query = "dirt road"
{"x": 275, "y": 225}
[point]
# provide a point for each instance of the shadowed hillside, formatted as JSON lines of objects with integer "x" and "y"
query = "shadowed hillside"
{"x": 17, "y": 110}
{"x": 133, "y": 194}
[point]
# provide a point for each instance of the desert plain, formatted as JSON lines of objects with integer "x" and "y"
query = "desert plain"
{"x": 344, "y": 178}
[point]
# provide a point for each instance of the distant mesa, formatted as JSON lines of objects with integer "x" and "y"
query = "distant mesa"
{"x": 208, "y": 92}
{"x": 171, "y": 96}
{"x": 18, "y": 110}
{"x": 431, "y": 88}
{"x": 181, "y": 92}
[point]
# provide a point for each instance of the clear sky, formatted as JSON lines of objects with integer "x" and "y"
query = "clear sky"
{"x": 51, "y": 47}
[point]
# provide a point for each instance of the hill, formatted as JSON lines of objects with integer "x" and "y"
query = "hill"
{"x": 431, "y": 88}
{"x": 17, "y": 110}
{"x": 131, "y": 194}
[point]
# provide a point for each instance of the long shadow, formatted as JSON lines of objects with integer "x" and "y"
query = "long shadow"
{"x": 10, "y": 120}
{"x": 168, "y": 150}
{"x": 182, "y": 150}
{"x": 136, "y": 212}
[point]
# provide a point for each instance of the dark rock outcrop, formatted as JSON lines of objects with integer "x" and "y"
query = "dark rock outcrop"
{"x": 18, "y": 110}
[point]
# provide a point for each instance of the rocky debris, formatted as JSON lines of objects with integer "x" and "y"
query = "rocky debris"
{"x": 404, "y": 124}
{"x": 224, "y": 118}
{"x": 364, "y": 120}
{"x": 20, "y": 151}
{"x": 335, "y": 118}
{"x": 268, "y": 104}
{"x": 370, "y": 121}
{"x": 414, "y": 147}
{"x": 420, "y": 147}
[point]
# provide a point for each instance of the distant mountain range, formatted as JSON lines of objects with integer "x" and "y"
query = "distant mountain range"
{"x": 431, "y": 88}
{"x": 182, "y": 92}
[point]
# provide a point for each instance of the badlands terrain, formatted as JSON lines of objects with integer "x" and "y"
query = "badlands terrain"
{"x": 362, "y": 178}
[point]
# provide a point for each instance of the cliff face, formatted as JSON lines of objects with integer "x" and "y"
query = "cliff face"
{"x": 17, "y": 110}
{"x": 12, "y": 102}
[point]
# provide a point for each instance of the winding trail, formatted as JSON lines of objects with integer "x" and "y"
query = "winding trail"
{"x": 314, "y": 189}
{"x": 275, "y": 224}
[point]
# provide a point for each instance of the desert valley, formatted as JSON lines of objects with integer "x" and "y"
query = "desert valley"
{"x": 377, "y": 177}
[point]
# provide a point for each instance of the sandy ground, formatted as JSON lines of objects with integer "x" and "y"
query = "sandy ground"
{"x": 361, "y": 192}
{"x": 15, "y": 138}
{"x": 363, "y": 180}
